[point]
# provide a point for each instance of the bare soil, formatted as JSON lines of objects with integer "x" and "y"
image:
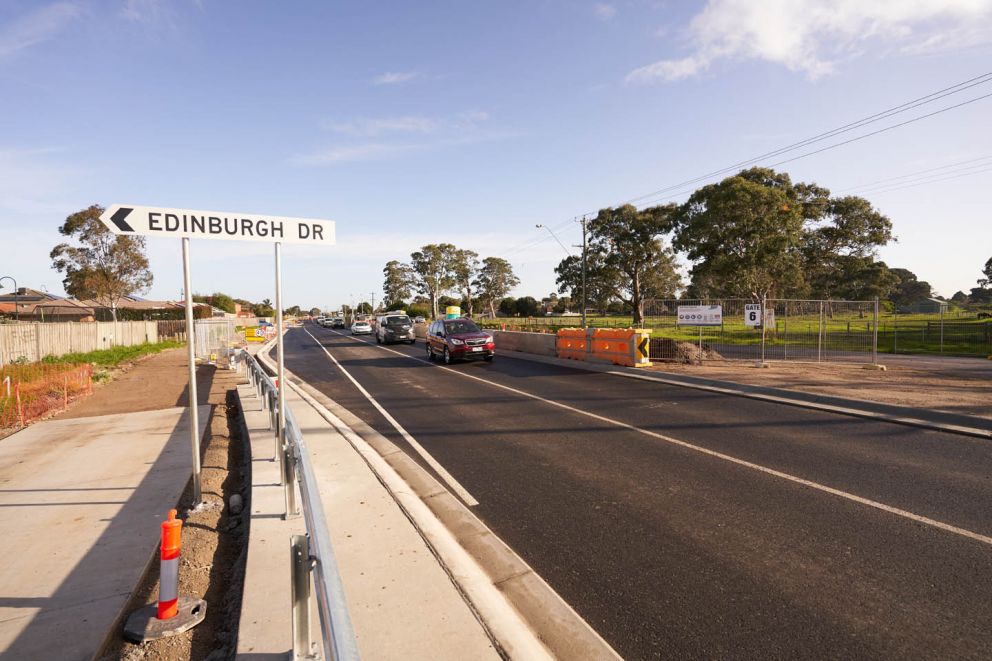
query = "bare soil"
{"x": 214, "y": 540}
{"x": 962, "y": 393}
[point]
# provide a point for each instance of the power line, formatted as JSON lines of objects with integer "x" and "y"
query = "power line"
{"x": 919, "y": 172}
{"x": 895, "y": 110}
{"x": 949, "y": 177}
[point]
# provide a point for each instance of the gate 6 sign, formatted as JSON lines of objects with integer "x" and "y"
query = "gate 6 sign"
{"x": 192, "y": 223}
{"x": 752, "y": 314}
{"x": 700, "y": 315}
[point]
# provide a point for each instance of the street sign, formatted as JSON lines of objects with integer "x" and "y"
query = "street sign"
{"x": 700, "y": 315}
{"x": 752, "y": 314}
{"x": 191, "y": 223}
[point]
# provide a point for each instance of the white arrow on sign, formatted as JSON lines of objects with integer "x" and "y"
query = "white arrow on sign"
{"x": 177, "y": 223}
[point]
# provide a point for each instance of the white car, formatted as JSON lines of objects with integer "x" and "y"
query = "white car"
{"x": 361, "y": 328}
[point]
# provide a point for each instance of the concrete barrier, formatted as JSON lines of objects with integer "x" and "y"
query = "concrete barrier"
{"x": 542, "y": 344}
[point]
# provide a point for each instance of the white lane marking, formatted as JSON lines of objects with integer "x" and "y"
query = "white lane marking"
{"x": 978, "y": 537}
{"x": 431, "y": 461}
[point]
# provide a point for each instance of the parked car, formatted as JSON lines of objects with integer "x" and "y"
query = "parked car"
{"x": 394, "y": 327}
{"x": 459, "y": 339}
{"x": 419, "y": 320}
{"x": 361, "y": 328}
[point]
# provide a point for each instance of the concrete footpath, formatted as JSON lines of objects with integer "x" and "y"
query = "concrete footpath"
{"x": 402, "y": 603}
{"x": 80, "y": 505}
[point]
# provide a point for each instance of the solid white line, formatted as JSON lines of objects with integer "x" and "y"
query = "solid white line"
{"x": 431, "y": 461}
{"x": 984, "y": 539}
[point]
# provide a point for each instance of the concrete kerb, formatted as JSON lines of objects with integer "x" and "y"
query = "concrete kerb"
{"x": 524, "y": 615}
{"x": 883, "y": 412}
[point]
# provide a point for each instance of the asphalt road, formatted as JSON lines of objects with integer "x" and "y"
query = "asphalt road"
{"x": 686, "y": 524}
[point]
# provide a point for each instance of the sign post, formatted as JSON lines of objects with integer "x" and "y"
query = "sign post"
{"x": 194, "y": 411}
{"x": 700, "y": 315}
{"x": 133, "y": 220}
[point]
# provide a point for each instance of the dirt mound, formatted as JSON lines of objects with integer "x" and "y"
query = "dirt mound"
{"x": 678, "y": 351}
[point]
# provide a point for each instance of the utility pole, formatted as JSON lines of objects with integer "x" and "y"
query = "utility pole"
{"x": 584, "y": 247}
{"x": 372, "y": 294}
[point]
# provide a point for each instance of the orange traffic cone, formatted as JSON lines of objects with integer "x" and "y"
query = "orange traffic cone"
{"x": 172, "y": 614}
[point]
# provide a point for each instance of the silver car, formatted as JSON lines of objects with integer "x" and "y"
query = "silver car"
{"x": 394, "y": 327}
{"x": 361, "y": 328}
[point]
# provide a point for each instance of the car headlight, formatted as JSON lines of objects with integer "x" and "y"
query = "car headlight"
{"x": 456, "y": 341}
{"x": 489, "y": 340}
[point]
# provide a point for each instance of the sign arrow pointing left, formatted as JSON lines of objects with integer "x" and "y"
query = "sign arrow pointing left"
{"x": 118, "y": 219}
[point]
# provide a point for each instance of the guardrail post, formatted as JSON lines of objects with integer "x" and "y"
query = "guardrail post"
{"x": 301, "y": 563}
{"x": 289, "y": 481}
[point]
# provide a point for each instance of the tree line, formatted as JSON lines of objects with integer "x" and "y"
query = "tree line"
{"x": 752, "y": 235}
{"x": 437, "y": 270}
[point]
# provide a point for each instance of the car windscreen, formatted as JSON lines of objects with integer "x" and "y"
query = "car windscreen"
{"x": 460, "y": 326}
{"x": 402, "y": 320}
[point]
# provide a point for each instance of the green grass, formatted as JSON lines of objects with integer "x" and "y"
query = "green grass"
{"x": 114, "y": 356}
{"x": 904, "y": 333}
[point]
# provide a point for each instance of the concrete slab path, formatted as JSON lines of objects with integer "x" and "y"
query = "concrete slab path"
{"x": 80, "y": 504}
{"x": 401, "y": 602}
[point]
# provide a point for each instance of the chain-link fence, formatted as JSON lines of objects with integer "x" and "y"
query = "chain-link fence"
{"x": 735, "y": 329}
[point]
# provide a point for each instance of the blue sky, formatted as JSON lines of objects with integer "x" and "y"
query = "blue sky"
{"x": 409, "y": 123}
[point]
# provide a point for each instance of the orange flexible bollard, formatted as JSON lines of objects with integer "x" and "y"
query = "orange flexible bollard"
{"x": 168, "y": 590}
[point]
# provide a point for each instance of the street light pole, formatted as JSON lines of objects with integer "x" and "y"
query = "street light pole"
{"x": 17, "y": 313}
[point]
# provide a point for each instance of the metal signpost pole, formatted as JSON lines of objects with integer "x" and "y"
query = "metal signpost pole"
{"x": 281, "y": 426}
{"x": 194, "y": 416}
{"x": 819, "y": 339}
{"x": 764, "y": 318}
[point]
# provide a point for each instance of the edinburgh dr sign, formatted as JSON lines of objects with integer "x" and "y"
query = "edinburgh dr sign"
{"x": 196, "y": 224}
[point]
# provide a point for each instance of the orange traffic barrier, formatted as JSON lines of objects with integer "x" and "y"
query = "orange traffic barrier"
{"x": 168, "y": 589}
{"x": 571, "y": 343}
{"x": 619, "y": 346}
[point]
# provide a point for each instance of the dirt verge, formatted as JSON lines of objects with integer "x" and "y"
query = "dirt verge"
{"x": 214, "y": 538}
{"x": 903, "y": 386}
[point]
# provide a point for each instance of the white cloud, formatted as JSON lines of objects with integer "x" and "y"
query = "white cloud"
{"x": 36, "y": 27}
{"x": 604, "y": 11}
{"x": 144, "y": 11}
{"x": 811, "y": 36}
{"x": 395, "y": 78}
{"x": 375, "y": 126}
{"x": 367, "y": 126}
{"x": 351, "y": 154}
{"x": 418, "y": 134}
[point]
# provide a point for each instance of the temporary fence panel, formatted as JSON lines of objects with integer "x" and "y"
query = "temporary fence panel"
{"x": 214, "y": 336}
{"x": 30, "y": 342}
{"x": 29, "y": 392}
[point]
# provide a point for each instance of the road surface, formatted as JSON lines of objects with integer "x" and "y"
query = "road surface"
{"x": 686, "y": 524}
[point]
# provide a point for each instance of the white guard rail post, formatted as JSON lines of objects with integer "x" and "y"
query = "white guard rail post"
{"x": 312, "y": 554}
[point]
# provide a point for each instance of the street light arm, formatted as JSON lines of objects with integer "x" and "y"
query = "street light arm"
{"x": 555, "y": 236}
{"x": 17, "y": 312}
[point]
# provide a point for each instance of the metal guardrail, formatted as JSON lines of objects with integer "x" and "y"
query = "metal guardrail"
{"x": 312, "y": 556}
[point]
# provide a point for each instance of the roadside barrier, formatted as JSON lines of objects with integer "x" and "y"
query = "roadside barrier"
{"x": 619, "y": 346}
{"x": 313, "y": 562}
{"x": 571, "y": 343}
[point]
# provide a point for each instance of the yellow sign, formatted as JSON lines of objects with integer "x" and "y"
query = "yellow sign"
{"x": 254, "y": 334}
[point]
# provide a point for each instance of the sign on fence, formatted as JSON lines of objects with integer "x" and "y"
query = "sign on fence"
{"x": 752, "y": 314}
{"x": 700, "y": 315}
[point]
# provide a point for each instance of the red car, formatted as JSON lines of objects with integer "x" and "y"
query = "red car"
{"x": 459, "y": 339}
